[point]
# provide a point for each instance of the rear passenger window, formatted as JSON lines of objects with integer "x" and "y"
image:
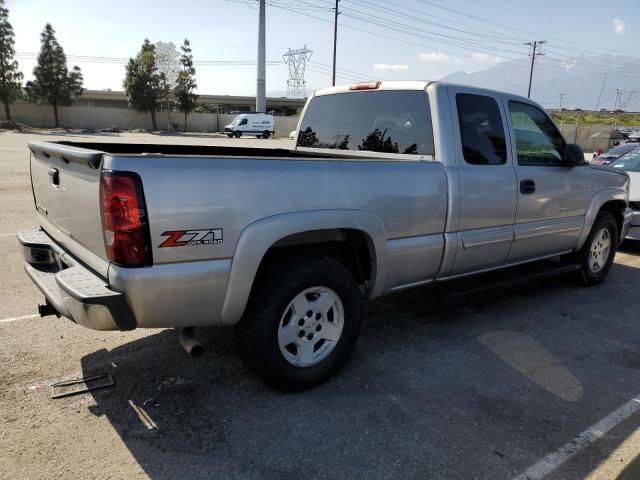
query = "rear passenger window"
{"x": 386, "y": 121}
{"x": 481, "y": 130}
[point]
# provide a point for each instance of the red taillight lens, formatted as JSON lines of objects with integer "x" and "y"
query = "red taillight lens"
{"x": 124, "y": 219}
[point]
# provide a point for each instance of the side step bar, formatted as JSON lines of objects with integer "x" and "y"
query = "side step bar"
{"x": 507, "y": 278}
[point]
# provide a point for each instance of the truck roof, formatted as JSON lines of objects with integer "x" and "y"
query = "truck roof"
{"x": 411, "y": 85}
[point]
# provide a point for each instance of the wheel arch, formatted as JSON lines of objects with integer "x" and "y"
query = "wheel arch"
{"x": 310, "y": 231}
{"x": 611, "y": 200}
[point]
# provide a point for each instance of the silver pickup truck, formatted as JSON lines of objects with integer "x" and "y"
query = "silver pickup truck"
{"x": 390, "y": 185}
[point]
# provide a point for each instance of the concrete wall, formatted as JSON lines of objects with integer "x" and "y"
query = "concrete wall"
{"x": 82, "y": 116}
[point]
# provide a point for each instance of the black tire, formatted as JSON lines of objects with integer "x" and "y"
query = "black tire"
{"x": 237, "y": 134}
{"x": 591, "y": 247}
{"x": 277, "y": 286}
{"x": 230, "y": 135}
{"x": 266, "y": 134}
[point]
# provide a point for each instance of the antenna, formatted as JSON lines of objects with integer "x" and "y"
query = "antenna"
{"x": 297, "y": 62}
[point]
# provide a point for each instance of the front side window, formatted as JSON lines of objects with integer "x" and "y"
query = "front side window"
{"x": 387, "y": 121}
{"x": 481, "y": 130}
{"x": 538, "y": 141}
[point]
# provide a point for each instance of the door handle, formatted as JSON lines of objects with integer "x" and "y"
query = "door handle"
{"x": 527, "y": 187}
{"x": 54, "y": 173}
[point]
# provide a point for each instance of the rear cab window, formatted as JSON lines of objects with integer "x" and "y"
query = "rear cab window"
{"x": 481, "y": 130}
{"x": 384, "y": 121}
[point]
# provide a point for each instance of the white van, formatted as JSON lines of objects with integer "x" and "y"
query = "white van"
{"x": 259, "y": 124}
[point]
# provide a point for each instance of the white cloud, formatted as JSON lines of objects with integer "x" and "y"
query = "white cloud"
{"x": 618, "y": 26}
{"x": 485, "y": 57}
{"x": 385, "y": 67}
{"x": 434, "y": 56}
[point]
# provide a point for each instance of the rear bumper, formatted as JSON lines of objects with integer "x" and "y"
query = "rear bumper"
{"x": 73, "y": 290}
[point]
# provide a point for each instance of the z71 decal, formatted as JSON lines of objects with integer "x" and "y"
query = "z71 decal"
{"x": 182, "y": 238}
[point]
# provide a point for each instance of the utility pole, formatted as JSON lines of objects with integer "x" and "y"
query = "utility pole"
{"x": 335, "y": 43}
{"x": 562, "y": 95}
{"x": 261, "y": 101}
{"x": 534, "y": 46}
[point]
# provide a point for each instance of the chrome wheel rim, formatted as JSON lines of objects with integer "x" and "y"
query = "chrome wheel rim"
{"x": 600, "y": 250}
{"x": 311, "y": 326}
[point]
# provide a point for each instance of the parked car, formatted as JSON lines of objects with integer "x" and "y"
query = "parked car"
{"x": 630, "y": 163}
{"x": 391, "y": 185}
{"x": 610, "y": 155}
{"x": 259, "y": 124}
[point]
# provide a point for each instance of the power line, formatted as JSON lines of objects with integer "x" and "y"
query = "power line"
{"x": 485, "y": 20}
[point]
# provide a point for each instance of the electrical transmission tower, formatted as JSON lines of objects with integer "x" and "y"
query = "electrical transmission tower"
{"x": 297, "y": 62}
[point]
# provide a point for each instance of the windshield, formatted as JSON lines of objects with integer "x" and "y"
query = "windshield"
{"x": 236, "y": 120}
{"x": 629, "y": 162}
{"x": 620, "y": 150}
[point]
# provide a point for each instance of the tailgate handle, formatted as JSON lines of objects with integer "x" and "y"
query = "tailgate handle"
{"x": 55, "y": 176}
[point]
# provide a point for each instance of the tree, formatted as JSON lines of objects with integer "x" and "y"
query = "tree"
{"x": 142, "y": 81}
{"x": 53, "y": 82}
{"x": 186, "y": 83}
{"x": 10, "y": 76}
{"x": 168, "y": 68}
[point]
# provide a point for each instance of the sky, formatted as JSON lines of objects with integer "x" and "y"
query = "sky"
{"x": 377, "y": 39}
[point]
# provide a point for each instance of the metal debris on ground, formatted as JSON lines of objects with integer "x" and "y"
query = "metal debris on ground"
{"x": 81, "y": 385}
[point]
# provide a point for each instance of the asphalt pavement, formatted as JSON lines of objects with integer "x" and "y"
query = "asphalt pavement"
{"x": 540, "y": 380}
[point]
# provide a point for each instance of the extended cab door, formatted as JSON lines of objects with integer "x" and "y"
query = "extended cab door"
{"x": 552, "y": 196}
{"x": 487, "y": 181}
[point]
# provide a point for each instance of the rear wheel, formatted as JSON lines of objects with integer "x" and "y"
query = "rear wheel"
{"x": 301, "y": 323}
{"x": 597, "y": 253}
{"x": 266, "y": 134}
{"x": 237, "y": 134}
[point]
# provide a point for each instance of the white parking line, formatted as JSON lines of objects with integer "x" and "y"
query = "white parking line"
{"x": 7, "y": 234}
{"x": 552, "y": 461}
{"x": 15, "y": 319}
{"x": 13, "y": 149}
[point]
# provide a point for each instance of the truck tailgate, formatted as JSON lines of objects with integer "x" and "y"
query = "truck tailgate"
{"x": 66, "y": 191}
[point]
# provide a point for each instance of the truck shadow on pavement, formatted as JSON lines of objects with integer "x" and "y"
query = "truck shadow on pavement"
{"x": 483, "y": 388}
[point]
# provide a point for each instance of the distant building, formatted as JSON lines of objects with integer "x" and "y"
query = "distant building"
{"x": 212, "y": 103}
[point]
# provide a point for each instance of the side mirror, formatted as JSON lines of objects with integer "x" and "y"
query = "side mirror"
{"x": 573, "y": 155}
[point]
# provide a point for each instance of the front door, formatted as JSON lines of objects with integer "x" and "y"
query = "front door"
{"x": 487, "y": 182}
{"x": 552, "y": 197}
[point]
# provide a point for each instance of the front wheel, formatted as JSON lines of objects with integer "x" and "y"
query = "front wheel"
{"x": 238, "y": 134}
{"x": 301, "y": 323}
{"x": 230, "y": 135}
{"x": 596, "y": 256}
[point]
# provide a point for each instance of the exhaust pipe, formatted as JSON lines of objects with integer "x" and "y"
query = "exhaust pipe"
{"x": 188, "y": 341}
{"x": 47, "y": 309}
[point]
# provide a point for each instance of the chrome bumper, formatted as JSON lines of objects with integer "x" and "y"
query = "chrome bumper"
{"x": 73, "y": 290}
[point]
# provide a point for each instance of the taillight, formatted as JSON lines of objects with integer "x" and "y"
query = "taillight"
{"x": 124, "y": 219}
{"x": 365, "y": 86}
